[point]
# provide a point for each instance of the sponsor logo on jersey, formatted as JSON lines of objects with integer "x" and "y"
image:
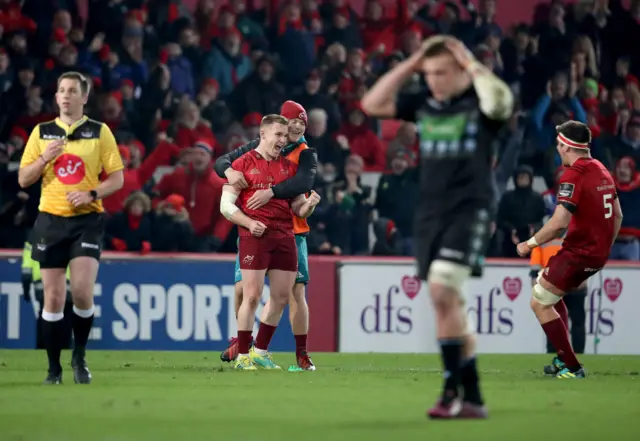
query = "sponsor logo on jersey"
{"x": 566, "y": 190}
{"x": 254, "y": 171}
{"x": 69, "y": 169}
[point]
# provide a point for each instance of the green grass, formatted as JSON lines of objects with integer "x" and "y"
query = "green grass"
{"x": 156, "y": 396}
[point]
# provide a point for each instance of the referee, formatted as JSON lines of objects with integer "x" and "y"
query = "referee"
{"x": 69, "y": 154}
{"x": 458, "y": 120}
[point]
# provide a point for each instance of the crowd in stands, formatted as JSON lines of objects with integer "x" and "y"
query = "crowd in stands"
{"x": 180, "y": 87}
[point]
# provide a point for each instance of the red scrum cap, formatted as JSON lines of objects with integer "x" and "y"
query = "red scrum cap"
{"x": 293, "y": 110}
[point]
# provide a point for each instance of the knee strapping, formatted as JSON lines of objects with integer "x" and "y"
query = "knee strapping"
{"x": 544, "y": 296}
{"x": 449, "y": 274}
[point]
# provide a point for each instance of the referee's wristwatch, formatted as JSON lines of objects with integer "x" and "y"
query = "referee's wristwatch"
{"x": 94, "y": 195}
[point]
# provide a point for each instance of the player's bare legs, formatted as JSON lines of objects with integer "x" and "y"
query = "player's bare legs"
{"x": 299, "y": 316}
{"x": 280, "y": 283}
{"x": 455, "y": 339}
{"x": 55, "y": 293}
{"x": 84, "y": 271}
{"x": 237, "y": 297}
{"x": 545, "y": 296}
{"x": 231, "y": 352}
{"x": 252, "y": 285}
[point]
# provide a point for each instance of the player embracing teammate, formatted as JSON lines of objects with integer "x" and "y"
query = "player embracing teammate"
{"x": 298, "y": 152}
{"x": 267, "y": 245}
{"x": 588, "y": 206}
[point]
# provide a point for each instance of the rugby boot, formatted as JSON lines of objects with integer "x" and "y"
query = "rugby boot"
{"x": 305, "y": 363}
{"x": 230, "y": 354}
{"x": 53, "y": 378}
{"x": 567, "y": 373}
{"x": 244, "y": 363}
{"x": 262, "y": 361}
{"x": 81, "y": 373}
{"x": 447, "y": 407}
{"x": 473, "y": 411}
{"x": 556, "y": 366}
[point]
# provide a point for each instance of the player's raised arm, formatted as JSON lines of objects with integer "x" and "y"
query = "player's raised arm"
{"x": 496, "y": 98}
{"x": 230, "y": 210}
{"x": 380, "y": 100}
{"x": 223, "y": 168}
{"x": 303, "y": 206}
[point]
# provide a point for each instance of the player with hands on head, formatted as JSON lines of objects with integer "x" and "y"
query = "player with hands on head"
{"x": 588, "y": 206}
{"x": 458, "y": 119}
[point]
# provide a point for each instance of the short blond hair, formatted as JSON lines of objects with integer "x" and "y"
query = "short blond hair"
{"x": 135, "y": 197}
{"x": 77, "y": 76}
{"x": 273, "y": 118}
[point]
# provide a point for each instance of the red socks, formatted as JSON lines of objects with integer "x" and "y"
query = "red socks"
{"x": 301, "y": 344}
{"x": 244, "y": 341}
{"x": 265, "y": 333}
{"x": 561, "y": 309}
{"x": 557, "y": 333}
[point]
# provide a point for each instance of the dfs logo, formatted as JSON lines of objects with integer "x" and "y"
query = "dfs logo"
{"x": 490, "y": 313}
{"x": 612, "y": 289}
{"x": 391, "y": 313}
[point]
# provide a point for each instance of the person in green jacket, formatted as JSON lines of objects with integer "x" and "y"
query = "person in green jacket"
{"x": 31, "y": 275}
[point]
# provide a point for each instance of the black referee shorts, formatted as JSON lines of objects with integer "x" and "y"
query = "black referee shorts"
{"x": 461, "y": 237}
{"x": 58, "y": 239}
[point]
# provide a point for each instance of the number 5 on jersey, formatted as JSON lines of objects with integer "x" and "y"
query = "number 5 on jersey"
{"x": 608, "y": 206}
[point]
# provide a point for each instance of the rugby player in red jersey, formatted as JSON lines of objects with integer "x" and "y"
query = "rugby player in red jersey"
{"x": 267, "y": 245}
{"x": 588, "y": 206}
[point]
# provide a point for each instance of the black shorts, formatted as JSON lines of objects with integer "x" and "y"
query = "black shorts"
{"x": 58, "y": 239}
{"x": 461, "y": 237}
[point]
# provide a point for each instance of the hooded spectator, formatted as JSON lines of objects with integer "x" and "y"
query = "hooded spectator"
{"x": 259, "y": 92}
{"x": 521, "y": 211}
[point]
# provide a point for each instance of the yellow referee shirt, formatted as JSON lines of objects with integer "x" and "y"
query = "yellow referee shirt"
{"x": 90, "y": 148}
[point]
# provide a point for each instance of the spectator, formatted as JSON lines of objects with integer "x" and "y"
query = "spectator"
{"x": 295, "y": 45}
{"x": 628, "y": 142}
{"x": 181, "y": 70}
{"x": 330, "y": 153}
{"x": 201, "y": 190}
{"x": 352, "y": 206}
{"x": 191, "y": 127}
{"x": 357, "y": 136}
{"x": 131, "y": 229}
{"x": 405, "y": 142}
{"x": 171, "y": 229}
{"x": 226, "y": 64}
{"x": 397, "y": 198}
{"x": 521, "y": 211}
{"x": 259, "y": 92}
{"x": 215, "y": 111}
{"x": 313, "y": 98}
{"x": 138, "y": 173}
{"x": 627, "y": 244}
{"x": 388, "y": 240}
